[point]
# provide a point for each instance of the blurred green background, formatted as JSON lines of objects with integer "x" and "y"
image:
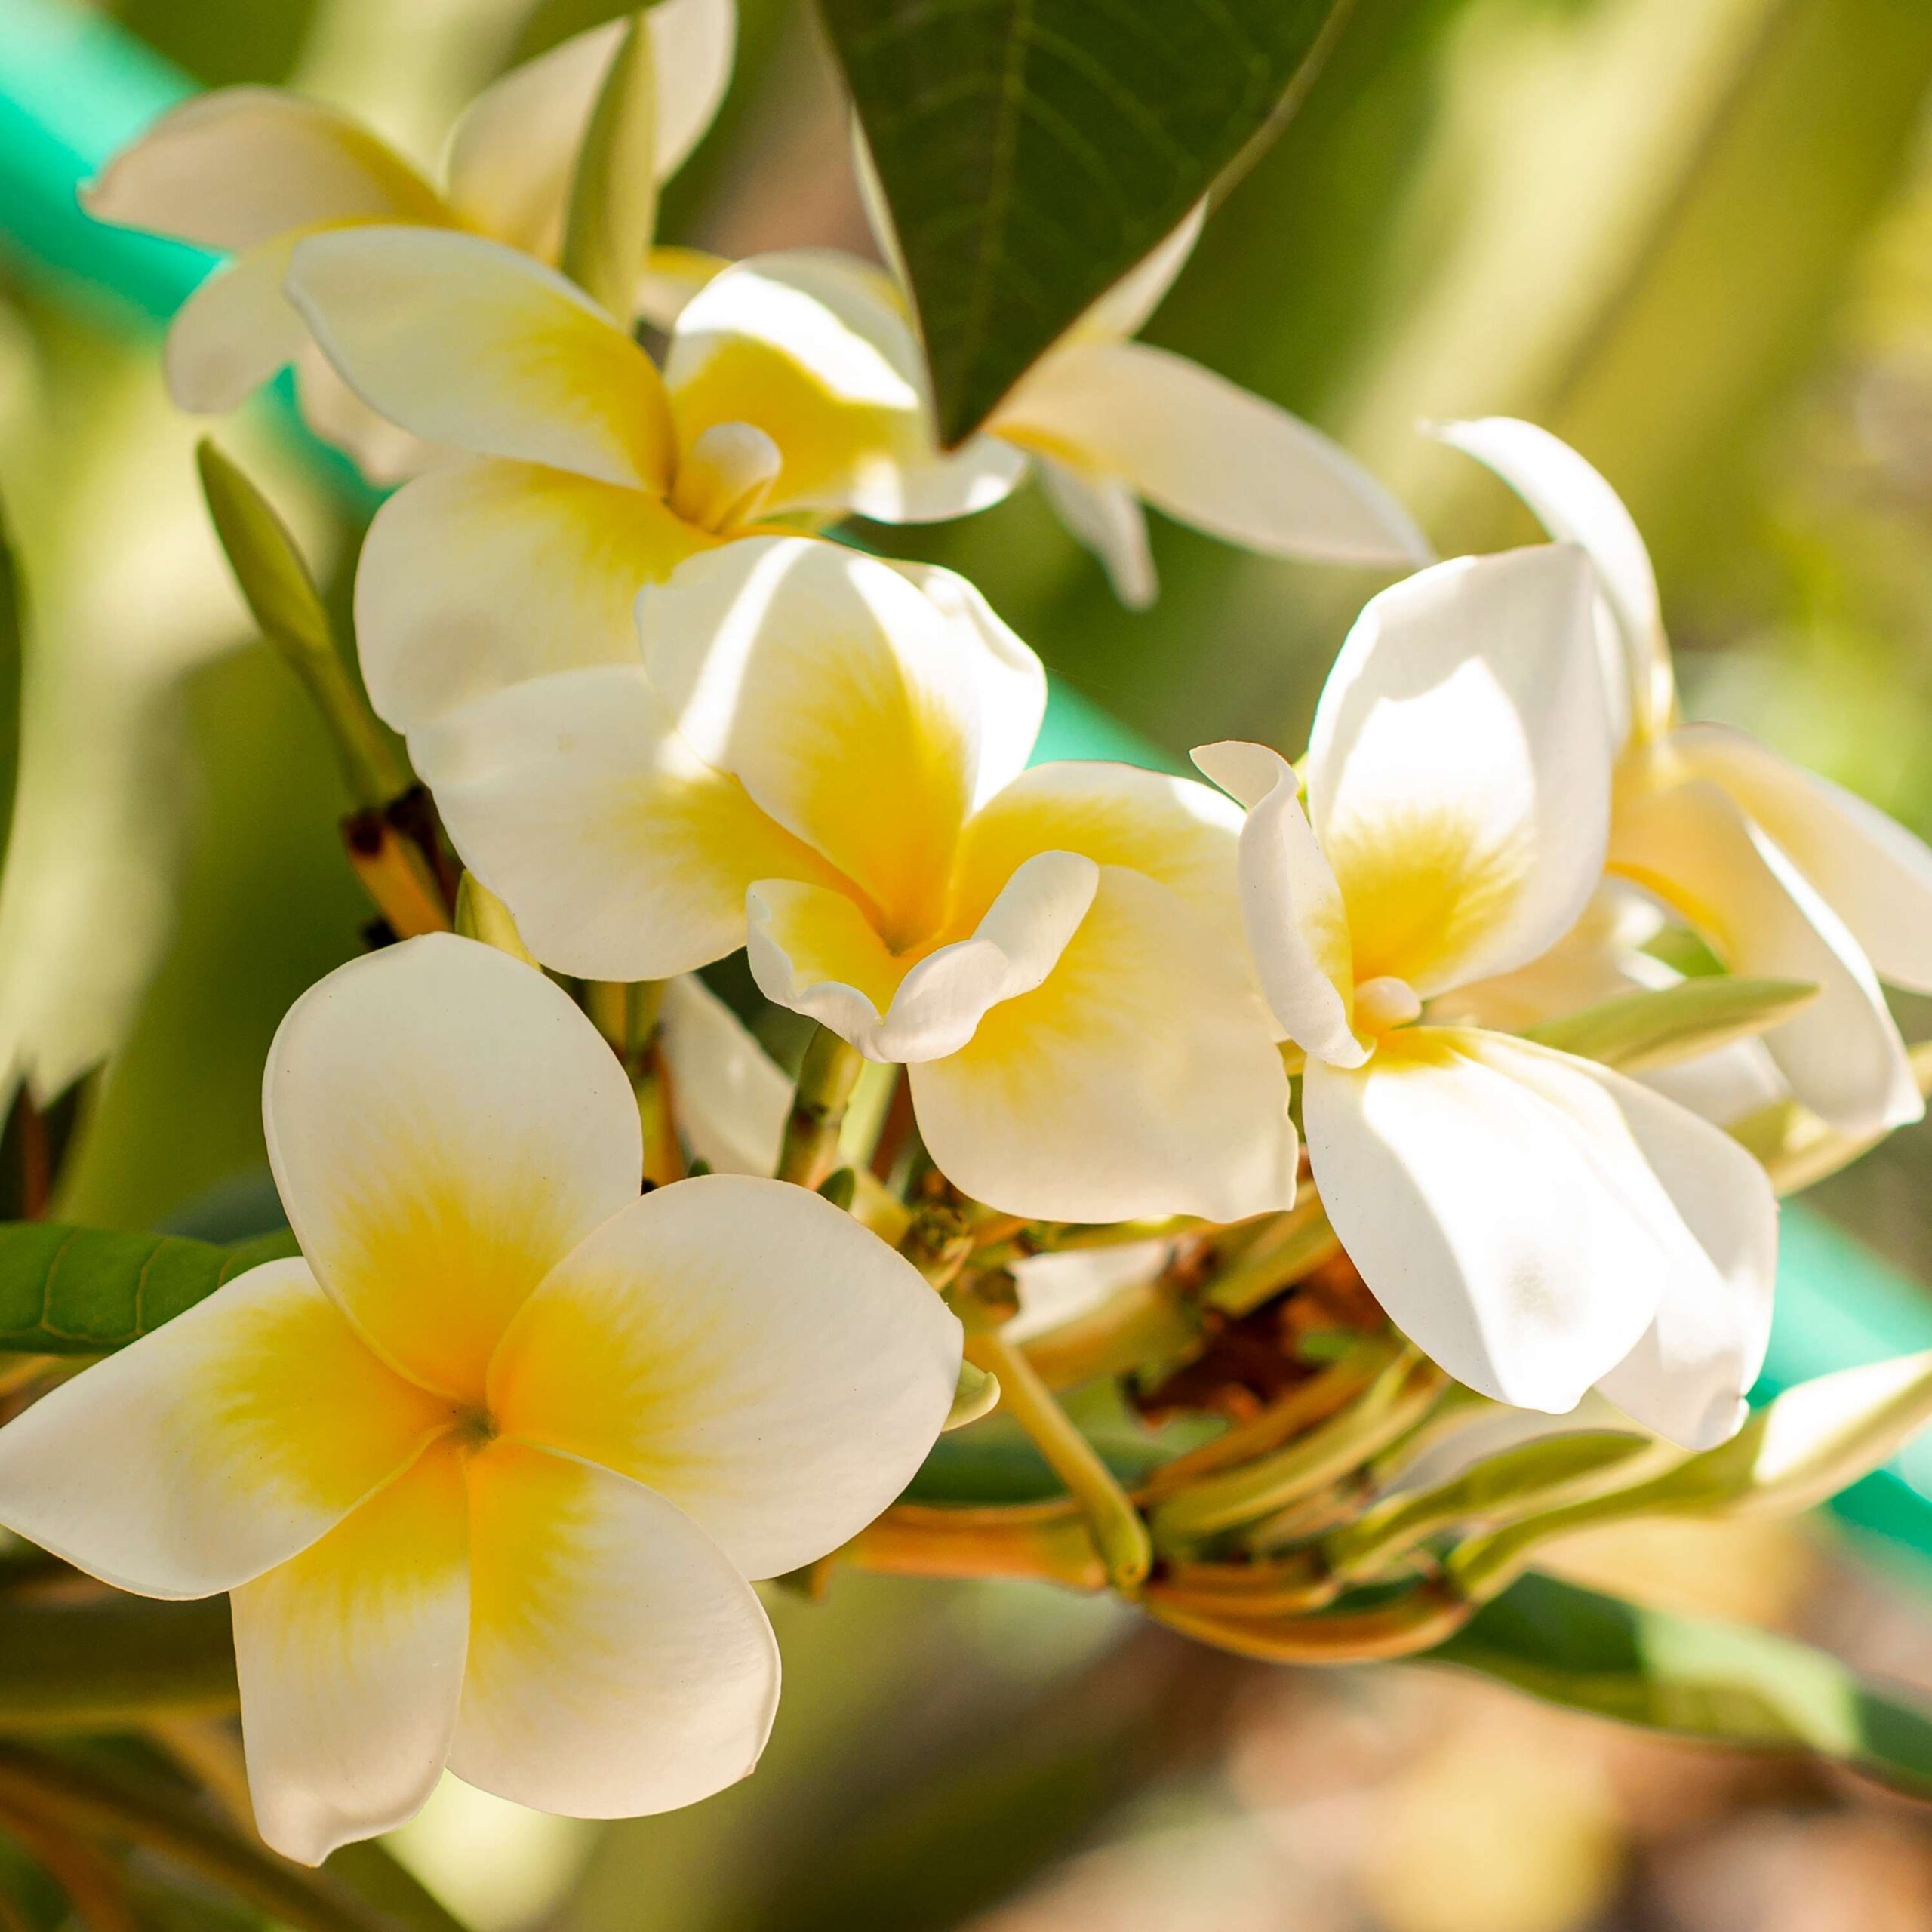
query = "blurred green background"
{"x": 1694, "y": 239}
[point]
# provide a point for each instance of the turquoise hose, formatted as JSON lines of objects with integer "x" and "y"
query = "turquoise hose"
{"x": 74, "y": 86}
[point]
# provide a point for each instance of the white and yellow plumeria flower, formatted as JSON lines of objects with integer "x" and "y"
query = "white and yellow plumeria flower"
{"x": 791, "y": 386}
{"x": 486, "y": 1471}
{"x": 1537, "y": 1224}
{"x": 1784, "y": 874}
{"x": 816, "y": 754}
{"x": 249, "y": 170}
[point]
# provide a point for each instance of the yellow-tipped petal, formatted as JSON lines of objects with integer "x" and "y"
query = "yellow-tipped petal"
{"x": 350, "y": 1657}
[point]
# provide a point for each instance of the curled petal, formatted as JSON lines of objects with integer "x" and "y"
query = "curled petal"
{"x": 1207, "y": 452}
{"x": 217, "y": 1447}
{"x": 1141, "y": 1078}
{"x": 619, "y": 1664}
{"x": 1459, "y": 767}
{"x": 1297, "y": 926}
{"x": 350, "y": 1658}
{"x": 445, "y": 1126}
{"x": 730, "y": 1100}
{"x": 1105, "y": 516}
{"x": 467, "y": 343}
{"x": 745, "y": 1350}
{"x": 244, "y": 164}
{"x": 235, "y": 332}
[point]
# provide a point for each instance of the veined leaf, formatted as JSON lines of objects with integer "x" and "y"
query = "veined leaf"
{"x": 1654, "y": 1029}
{"x": 1031, "y": 152}
{"x": 83, "y": 1291}
{"x": 613, "y": 208}
{"x": 1727, "y": 1684}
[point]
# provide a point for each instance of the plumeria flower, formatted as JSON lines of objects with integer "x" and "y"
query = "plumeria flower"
{"x": 1111, "y": 423}
{"x": 817, "y": 756}
{"x": 1538, "y": 1224}
{"x": 1783, "y": 874}
{"x": 487, "y": 1469}
{"x": 791, "y": 388}
{"x": 251, "y": 170}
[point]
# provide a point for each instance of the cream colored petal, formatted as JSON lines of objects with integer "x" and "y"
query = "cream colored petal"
{"x": 1875, "y": 874}
{"x": 1208, "y": 453}
{"x": 1141, "y": 1078}
{"x": 217, "y": 1447}
{"x": 1501, "y": 1202}
{"x": 619, "y": 1664}
{"x": 838, "y": 696}
{"x": 445, "y": 1126}
{"x": 1690, "y": 845}
{"x": 1576, "y": 505}
{"x": 235, "y": 332}
{"x": 669, "y": 278}
{"x": 1126, "y": 307}
{"x": 386, "y": 454}
{"x": 621, "y": 855}
{"x": 815, "y": 349}
{"x": 1104, "y": 515}
{"x": 350, "y": 1657}
{"x": 731, "y": 1101}
{"x": 513, "y": 154}
{"x": 244, "y": 164}
{"x": 1297, "y": 925}
{"x": 745, "y": 1350}
{"x": 1723, "y": 1087}
{"x": 811, "y": 950}
{"x": 485, "y": 574}
{"x": 1058, "y": 1287}
{"x": 467, "y": 343}
{"x": 1458, "y": 769}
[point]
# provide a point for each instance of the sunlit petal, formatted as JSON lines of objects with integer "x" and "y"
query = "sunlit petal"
{"x": 467, "y": 343}
{"x": 1104, "y": 515}
{"x": 1141, "y": 1078}
{"x": 1121, "y": 311}
{"x": 812, "y": 948}
{"x": 1459, "y": 768}
{"x": 730, "y": 1099}
{"x": 619, "y": 1664}
{"x": 445, "y": 1126}
{"x": 747, "y": 1351}
{"x": 350, "y": 1658}
{"x": 221, "y": 1444}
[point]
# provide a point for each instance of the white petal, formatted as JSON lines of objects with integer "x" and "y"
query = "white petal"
{"x": 1141, "y": 1078}
{"x": 1723, "y": 1087}
{"x": 838, "y": 696}
{"x": 1059, "y": 1287}
{"x": 445, "y": 1126}
{"x": 1128, "y": 305}
{"x": 218, "y": 1446}
{"x": 468, "y": 344}
{"x": 385, "y": 453}
{"x": 1499, "y": 1201}
{"x": 1575, "y": 504}
{"x": 1692, "y": 846}
{"x": 486, "y": 573}
{"x": 620, "y": 855}
{"x": 730, "y": 1100}
{"x": 1297, "y": 925}
{"x": 1207, "y": 452}
{"x": 244, "y": 164}
{"x": 619, "y": 1664}
{"x": 234, "y": 333}
{"x": 1459, "y": 768}
{"x": 1875, "y": 874}
{"x": 935, "y": 1008}
{"x": 350, "y": 1658}
{"x": 815, "y": 349}
{"x": 1105, "y": 516}
{"x": 746, "y": 1350}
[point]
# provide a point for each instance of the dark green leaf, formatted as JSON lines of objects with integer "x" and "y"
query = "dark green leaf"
{"x": 1032, "y": 151}
{"x": 66, "y": 1291}
{"x": 1727, "y": 1684}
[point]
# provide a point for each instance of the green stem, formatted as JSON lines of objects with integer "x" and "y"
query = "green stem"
{"x": 108, "y": 1665}
{"x": 826, "y": 1082}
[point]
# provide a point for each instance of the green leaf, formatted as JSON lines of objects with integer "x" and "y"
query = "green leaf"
{"x": 68, "y": 1291}
{"x": 1724, "y": 1682}
{"x": 110, "y": 1664}
{"x": 1031, "y": 152}
{"x": 1654, "y": 1029}
{"x": 613, "y": 206}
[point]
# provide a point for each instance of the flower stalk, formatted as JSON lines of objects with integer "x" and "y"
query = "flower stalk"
{"x": 826, "y": 1080}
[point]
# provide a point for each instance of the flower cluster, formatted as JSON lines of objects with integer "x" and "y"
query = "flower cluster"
{"x": 487, "y": 1469}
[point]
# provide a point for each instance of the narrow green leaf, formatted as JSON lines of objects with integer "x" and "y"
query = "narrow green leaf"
{"x": 1031, "y": 152}
{"x": 66, "y": 1291}
{"x": 613, "y": 207}
{"x": 1654, "y": 1029}
{"x": 1727, "y": 1684}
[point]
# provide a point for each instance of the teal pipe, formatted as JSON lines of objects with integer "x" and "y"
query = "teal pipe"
{"x": 74, "y": 86}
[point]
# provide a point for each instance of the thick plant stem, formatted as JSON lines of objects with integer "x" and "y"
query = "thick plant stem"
{"x": 1415, "y": 1623}
{"x": 825, "y": 1080}
{"x": 1119, "y": 1531}
{"x": 396, "y": 874}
